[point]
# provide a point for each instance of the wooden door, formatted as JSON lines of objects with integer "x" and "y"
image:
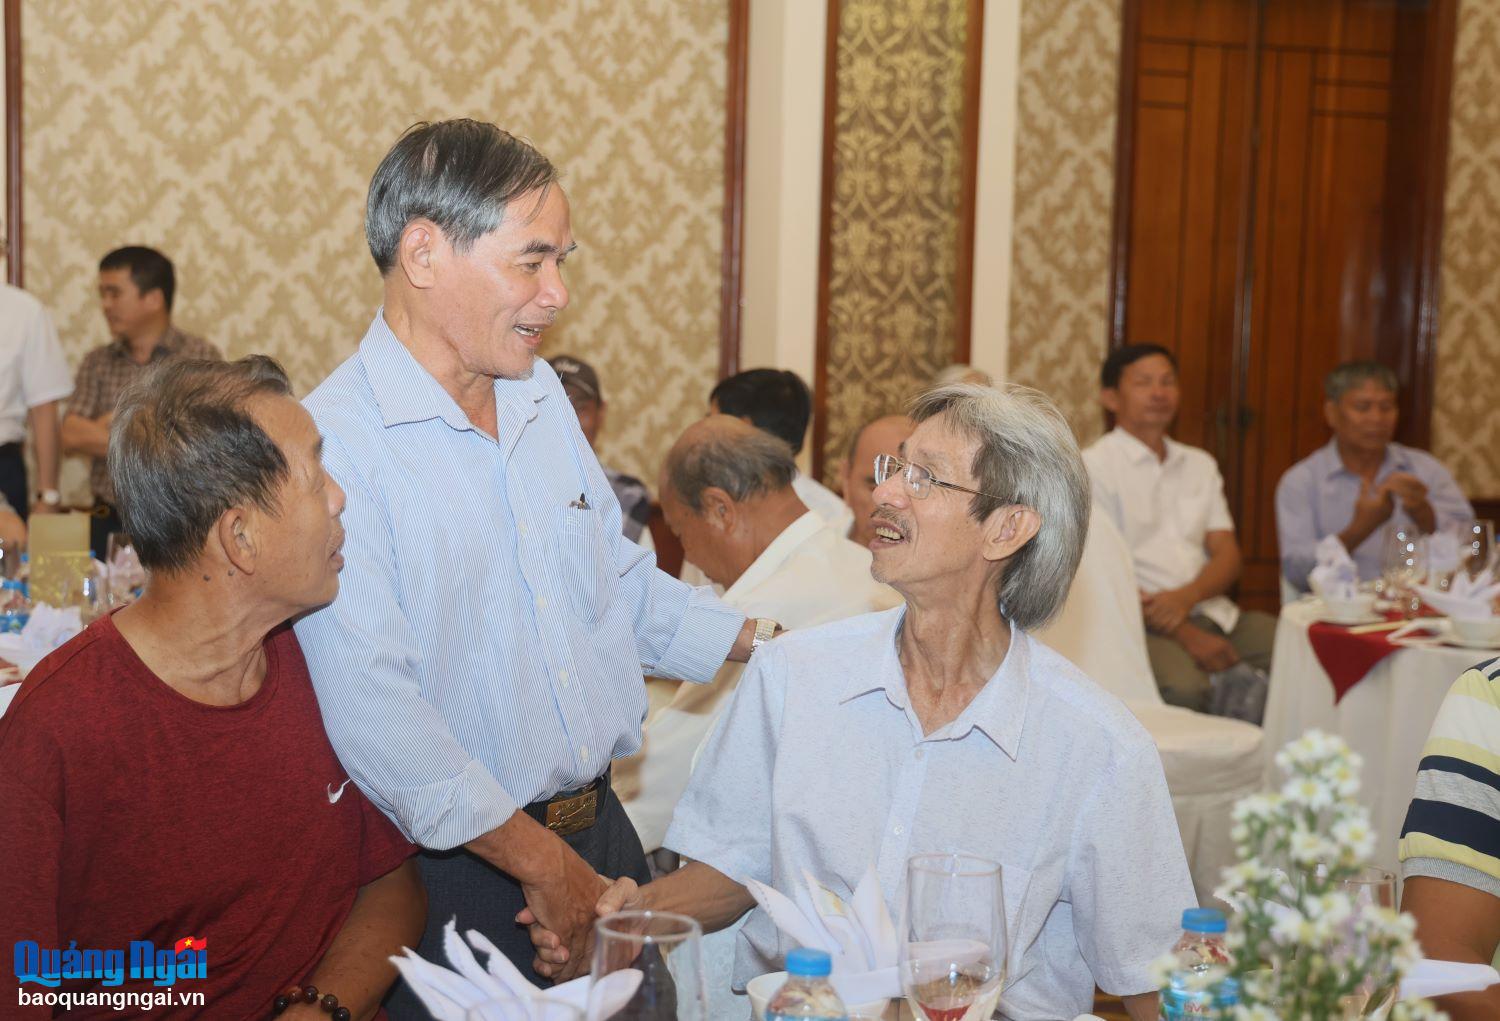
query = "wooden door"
{"x": 1274, "y": 211}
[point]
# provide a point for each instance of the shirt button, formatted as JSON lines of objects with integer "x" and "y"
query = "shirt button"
{"x": 583, "y": 753}
{"x": 917, "y": 755}
{"x": 541, "y": 602}
{"x": 899, "y": 829}
{"x": 562, "y": 676}
{"x": 521, "y": 528}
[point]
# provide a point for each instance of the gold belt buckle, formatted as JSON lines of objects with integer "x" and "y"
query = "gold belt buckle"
{"x": 570, "y": 815}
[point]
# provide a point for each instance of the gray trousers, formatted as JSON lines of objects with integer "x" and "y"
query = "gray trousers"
{"x": 463, "y": 886}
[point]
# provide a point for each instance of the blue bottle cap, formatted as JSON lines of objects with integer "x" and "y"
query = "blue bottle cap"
{"x": 808, "y": 963}
{"x": 1203, "y": 920}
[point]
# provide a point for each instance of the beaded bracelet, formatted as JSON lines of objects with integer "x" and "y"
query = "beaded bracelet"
{"x": 297, "y": 994}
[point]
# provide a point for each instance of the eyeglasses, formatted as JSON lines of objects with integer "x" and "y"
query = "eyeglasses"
{"x": 919, "y": 481}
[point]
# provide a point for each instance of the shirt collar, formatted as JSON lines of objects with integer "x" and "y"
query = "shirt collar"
{"x": 1395, "y": 459}
{"x": 998, "y": 711}
{"x": 1139, "y": 453}
{"x": 170, "y": 344}
{"x": 406, "y": 392}
{"x": 776, "y": 554}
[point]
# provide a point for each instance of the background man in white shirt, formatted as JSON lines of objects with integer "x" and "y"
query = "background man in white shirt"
{"x": 1167, "y": 499}
{"x": 726, "y": 492}
{"x": 35, "y": 377}
{"x": 944, "y": 726}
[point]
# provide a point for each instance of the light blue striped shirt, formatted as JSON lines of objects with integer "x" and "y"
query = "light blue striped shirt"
{"x": 487, "y": 644}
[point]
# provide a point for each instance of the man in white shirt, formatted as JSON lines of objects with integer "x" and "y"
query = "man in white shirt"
{"x": 33, "y": 378}
{"x": 726, "y": 492}
{"x": 943, "y": 726}
{"x": 1167, "y": 499}
{"x": 778, "y": 402}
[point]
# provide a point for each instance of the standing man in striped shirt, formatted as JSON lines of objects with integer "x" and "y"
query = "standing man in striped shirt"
{"x": 483, "y": 665}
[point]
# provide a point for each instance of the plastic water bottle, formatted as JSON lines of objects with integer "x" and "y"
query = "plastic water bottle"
{"x": 1189, "y": 994}
{"x": 15, "y": 606}
{"x": 807, "y": 993}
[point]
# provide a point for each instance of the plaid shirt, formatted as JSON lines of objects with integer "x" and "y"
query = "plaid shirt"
{"x": 107, "y": 370}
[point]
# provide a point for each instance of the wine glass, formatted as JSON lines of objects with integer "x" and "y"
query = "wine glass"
{"x": 537, "y": 1008}
{"x": 1476, "y": 546}
{"x": 1403, "y": 566}
{"x": 123, "y": 570}
{"x": 667, "y": 950}
{"x": 953, "y": 946}
{"x": 1371, "y": 887}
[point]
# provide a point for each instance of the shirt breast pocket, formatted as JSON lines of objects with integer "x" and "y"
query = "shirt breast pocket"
{"x": 588, "y": 563}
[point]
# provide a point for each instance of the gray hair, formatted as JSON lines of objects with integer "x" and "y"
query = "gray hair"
{"x": 1349, "y": 375}
{"x": 460, "y": 174}
{"x": 742, "y": 464}
{"x": 1027, "y": 453}
{"x": 183, "y": 449}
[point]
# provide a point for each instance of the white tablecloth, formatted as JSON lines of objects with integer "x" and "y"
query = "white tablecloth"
{"x": 1385, "y": 717}
{"x": 13, "y": 651}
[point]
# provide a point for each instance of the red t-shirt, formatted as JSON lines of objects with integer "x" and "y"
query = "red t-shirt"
{"x": 129, "y": 812}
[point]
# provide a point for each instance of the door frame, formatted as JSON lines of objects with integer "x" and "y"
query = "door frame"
{"x": 13, "y": 268}
{"x": 1415, "y": 361}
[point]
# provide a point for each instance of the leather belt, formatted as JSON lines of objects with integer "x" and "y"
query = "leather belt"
{"x": 572, "y": 811}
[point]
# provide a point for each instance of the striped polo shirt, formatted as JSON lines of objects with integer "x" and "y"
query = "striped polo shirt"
{"x": 1452, "y": 828}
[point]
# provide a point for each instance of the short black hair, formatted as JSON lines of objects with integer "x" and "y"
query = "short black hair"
{"x": 184, "y": 448}
{"x": 149, "y": 270}
{"x": 1122, "y": 358}
{"x": 460, "y": 174}
{"x": 774, "y": 400}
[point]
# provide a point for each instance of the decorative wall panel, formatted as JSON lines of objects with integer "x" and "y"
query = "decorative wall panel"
{"x": 895, "y": 219}
{"x": 240, "y": 139}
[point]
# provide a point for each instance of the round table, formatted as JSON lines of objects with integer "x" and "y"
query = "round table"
{"x": 1385, "y": 717}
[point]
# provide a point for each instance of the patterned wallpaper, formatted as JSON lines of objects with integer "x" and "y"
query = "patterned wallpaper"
{"x": 897, "y": 168}
{"x": 1464, "y": 424}
{"x": 1064, "y": 195}
{"x": 1065, "y": 171}
{"x": 240, "y": 139}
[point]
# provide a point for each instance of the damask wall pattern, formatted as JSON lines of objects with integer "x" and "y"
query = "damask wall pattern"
{"x": 1067, "y": 94}
{"x": 1465, "y": 428}
{"x": 893, "y": 232}
{"x": 240, "y": 139}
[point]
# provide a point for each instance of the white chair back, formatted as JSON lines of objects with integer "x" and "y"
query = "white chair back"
{"x": 1100, "y": 627}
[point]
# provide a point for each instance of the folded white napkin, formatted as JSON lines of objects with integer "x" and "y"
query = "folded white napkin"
{"x": 1466, "y": 598}
{"x": 1439, "y": 978}
{"x": 859, "y": 935}
{"x": 449, "y": 995}
{"x": 1335, "y": 576}
{"x": 49, "y": 627}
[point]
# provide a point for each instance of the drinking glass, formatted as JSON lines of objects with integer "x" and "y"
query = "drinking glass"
{"x": 1374, "y": 996}
{"x": 536, "y": 1009}
{"x": 10, "y": 560}
{"x": 1403, "y": 566}
{"x": 1476, "y": 546}
{"x": 953, "y": 946}
{"x": 125, "y": 575}
{"x": 667, "y": 949}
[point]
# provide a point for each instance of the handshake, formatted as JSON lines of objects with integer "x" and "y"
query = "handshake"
{"x": 560, "y": 917}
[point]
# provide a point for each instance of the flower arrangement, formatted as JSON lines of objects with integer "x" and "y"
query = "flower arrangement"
{"x": 1306, "y": 945}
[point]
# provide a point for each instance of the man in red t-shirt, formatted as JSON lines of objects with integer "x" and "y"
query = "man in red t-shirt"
{"x": 178, "y": 838}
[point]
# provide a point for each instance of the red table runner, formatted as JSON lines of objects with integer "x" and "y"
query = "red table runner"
{"x": 1347, "y": 657}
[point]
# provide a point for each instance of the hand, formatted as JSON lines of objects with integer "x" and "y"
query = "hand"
{"x": 303, "y": 1011}
{"x": 1211, "y": 652}
{"x": 1372, "y": 507}
{"x": 1410, "y": 490}
{"x": 12, "y": 528}
{"x": 743, "y": 644}
{"x": 1166, "y": 611}
{"x": 563, "y": 905}
{"x": 624, "y": 894}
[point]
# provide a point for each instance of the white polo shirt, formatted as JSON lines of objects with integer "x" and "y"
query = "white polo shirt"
{"x": 808, "y": 575}
{"x": 1165, "y": 509}
{"x": 820, "y": 764}
{"x": 32, "y": 368}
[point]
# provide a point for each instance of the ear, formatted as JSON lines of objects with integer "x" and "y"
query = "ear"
{"x": 155, "y": 299}
{"x": 719, "y": 509}
{"x": 1331, "y": 413}
{"x": 1007, "y": 530}
{"x": 235, "y": 536}
{"x": 1110, "y": 398}
{"x": 419, "y": 244}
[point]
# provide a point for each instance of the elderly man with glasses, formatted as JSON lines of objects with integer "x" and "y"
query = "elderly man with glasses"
{"x": 943, "y": 726}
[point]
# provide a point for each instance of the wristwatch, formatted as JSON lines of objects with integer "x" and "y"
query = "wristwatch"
{"x": 50, "y": 497}
{"x": 765, "y": 630}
